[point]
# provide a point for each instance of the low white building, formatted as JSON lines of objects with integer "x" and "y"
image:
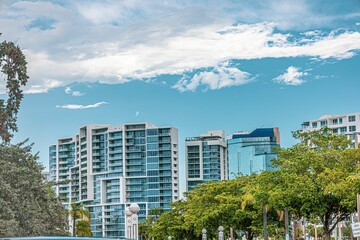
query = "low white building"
{"x": 347, "y": 124}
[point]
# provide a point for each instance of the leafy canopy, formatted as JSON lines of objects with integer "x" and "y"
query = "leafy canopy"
{"x": 28, "y": 206}
{"x": 318, "y": 178}
{"x": 13, "y": 68}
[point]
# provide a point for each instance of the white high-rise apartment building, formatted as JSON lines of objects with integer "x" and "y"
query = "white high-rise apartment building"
{"x": 206, "y": 158}
{"x": 106, "y": 168}
{"x": 347, "y": 124}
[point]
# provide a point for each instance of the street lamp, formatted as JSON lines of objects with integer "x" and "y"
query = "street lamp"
{"x": 221, "y": 233}
{"x": 204, "y": 234}
{"x": 132, "y": 223}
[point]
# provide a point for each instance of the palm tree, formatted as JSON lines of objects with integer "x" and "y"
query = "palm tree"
{"x": 146, "y": 226}
{"x": 83, "y": 228}
{"x": 156, "y": 212}
{"x": 78, "y": 212}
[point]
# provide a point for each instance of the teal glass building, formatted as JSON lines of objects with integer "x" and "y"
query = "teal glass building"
{"x": 252, "y": 152}
{"x": 106, "y": 168}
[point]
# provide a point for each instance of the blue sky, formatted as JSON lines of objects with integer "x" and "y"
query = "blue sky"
{"x": 194, "y": 65}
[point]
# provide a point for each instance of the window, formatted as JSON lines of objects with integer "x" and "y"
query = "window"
{"x": 153, "y": 173}
{"x": 153, "y": 179}
{"x": 335, "y": 121}
{"x": 152, "y": 147}
{"x": 351, "y": 118}
{"x": 152, "y": 139}
{"x": 152, "y": 166}
{"x": 314, "y": 124}
{"x": 352, "y": 128}
{"x": 152, "y": 159}
{"x": 343, "y": 130}
{"x": 323, "y": 123}
{"x": 153, "y": 185}
{"x": 152, "y": 132}
{"x": 152, "y": 153}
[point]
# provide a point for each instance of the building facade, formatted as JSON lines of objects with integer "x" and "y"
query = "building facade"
{"x": 106, "y": 168}
{"x": 252, "y": 152}
{"x": 347, "y": 124}
{"x": 206, "y": 158}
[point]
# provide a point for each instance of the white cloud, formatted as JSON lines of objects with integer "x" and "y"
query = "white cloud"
{"x": 77, "y": 94}
{"x": 42, "y": 86}
{"x": 77, "y": 106}
{"x": 68, "y": 90}
{"x": 137, "y": 113}
{"x": 220, "y": 77}
{"x": 197, "y": 48}
{"x": 100, "y": 51}
{"x": 292, "y": 76}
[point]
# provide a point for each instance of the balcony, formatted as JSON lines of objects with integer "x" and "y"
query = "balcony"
{"x": 99, "y": 166}
{"x": 115, "y": 162}
{"x": 116, "y": 157}
{"x": 115, "y": 136}
{"x": 115, "y": 151}
{"x": 135, "y": 169}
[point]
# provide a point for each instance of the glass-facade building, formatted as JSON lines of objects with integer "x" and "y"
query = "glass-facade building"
{"x": 110, "y": 167}
{"x": 252, "y": 152}
{"x": 206, "y": 158}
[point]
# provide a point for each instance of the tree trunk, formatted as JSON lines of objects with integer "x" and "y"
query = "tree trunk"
{"x": 327, "y": 235}
{"x": 249, "y": 235}
{"x": 73, "y": 225}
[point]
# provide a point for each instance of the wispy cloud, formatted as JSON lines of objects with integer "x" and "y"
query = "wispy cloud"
{"x": 77, "y": 106}
{"x": 292, "y": 76}
{"x": 137, "y": 113}
{"x": 220, "y": 77}
{"x": 43, "y": 86}
{"x": 68, "y": 90}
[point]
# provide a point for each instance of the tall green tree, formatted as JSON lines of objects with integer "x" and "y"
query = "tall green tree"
{"x": 13, "y": 67}
{"x": 318, "y": 178}
{"x": 254, "y": 202}
{"x": 172, "y": 223}
{"x": 146, "y": 227}
{"x": 83, "y": 228}
{"x": 28, "y": 207}
{"x": 231, "y": 204}
{"x": 77, "y": 212}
